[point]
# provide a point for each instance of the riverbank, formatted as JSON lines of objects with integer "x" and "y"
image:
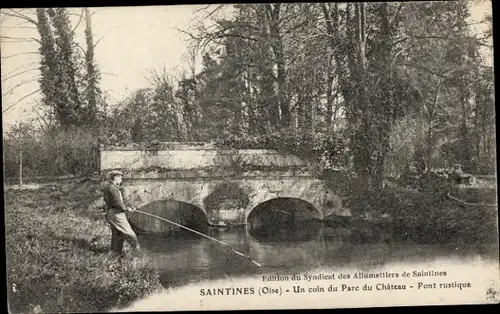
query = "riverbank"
{"x": 57, "y": 254}
{"x": 438, "y": 213}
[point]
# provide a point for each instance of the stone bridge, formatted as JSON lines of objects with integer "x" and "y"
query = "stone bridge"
{"x": 186, "y": 181}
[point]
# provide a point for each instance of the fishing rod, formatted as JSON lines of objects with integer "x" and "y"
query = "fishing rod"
{"x": 202, "y": 234}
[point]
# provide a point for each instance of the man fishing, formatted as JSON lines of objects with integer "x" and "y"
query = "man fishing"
{"x": 120, "y": 227}
{"x": 117, "y": 216}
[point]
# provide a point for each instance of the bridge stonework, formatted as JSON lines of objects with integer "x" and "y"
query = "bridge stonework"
{"x": 198, "y": 173}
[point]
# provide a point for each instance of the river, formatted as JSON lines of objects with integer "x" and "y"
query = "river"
{"x": 187, "y": 258}
{"x": 190, "y": 265}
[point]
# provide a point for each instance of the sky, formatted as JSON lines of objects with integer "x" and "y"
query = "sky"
{"x": 133, "y": 41}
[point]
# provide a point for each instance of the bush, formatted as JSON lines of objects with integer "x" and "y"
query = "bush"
{"x": 55, "y": 153}
{"x": 430, "y": 216}
{"x": 134, "y": 284}
{"x": 329, "y": 151}
{"x": 424, "y": 216}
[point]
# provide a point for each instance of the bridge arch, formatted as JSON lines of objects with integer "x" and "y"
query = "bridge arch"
{"x": 283, "y": 218}
{"x": 315, "y": 212}
{"x": 181, "y": 212}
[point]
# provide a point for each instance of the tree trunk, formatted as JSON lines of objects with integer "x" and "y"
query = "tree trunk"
{"x": 386, "y": 104}
{"x": 21, "y": 167}
{"x": 361, "y": 37}
{"x": 279, "y": 110}
{"x": 329, "y": 95}
{"x": 362, "y": 112}
{"x": 300, "y": 111}
{"x": 91, "y": 73}
{"x": 428, "y": 154}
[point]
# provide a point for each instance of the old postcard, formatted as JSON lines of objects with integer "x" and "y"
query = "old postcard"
{"x": 249, "y": 156}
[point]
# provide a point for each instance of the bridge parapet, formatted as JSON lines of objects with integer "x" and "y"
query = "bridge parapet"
{"x": 213, "y": 173}
{"x": 165, "y": 159}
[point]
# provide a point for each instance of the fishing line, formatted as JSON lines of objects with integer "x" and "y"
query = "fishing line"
{"x": 202, "y": 234}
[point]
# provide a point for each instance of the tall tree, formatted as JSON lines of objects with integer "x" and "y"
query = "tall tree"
{"x": 60, "y": 67}
{"x": 68, "y": 61}
{"x": 48, "y": 64}
{"x": 92, "y": 75}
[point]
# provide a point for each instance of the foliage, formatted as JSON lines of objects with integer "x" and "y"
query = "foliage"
{"x": 270, "y": 68}
{"x": 134, "y": 284}
{"x": 326, "y": 151}
{"x": 374, "y": 86}
{"x": 434, "y": 218}
{"x": 61, "y": 71}
{"x": 226, "y": 192}
{"x": 54, "y": 153}
{"x": 427, "y": 217}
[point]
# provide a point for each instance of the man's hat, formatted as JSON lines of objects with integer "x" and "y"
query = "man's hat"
{"x": 114, "y": 173}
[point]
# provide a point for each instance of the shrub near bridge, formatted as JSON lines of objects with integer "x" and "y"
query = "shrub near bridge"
{"x": 326, "y": 150}
{"x": 425, "y": 216}
{"x": 58, "y": 259}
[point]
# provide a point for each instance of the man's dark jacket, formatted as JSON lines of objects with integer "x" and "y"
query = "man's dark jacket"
{"x": 113, "y": 198}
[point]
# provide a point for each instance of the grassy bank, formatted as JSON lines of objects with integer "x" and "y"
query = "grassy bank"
{"x": 57, "y": 255}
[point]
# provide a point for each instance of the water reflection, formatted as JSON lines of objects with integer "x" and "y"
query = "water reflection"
{"x": 184, "y": 257}
{"x": 284, "y": 236}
